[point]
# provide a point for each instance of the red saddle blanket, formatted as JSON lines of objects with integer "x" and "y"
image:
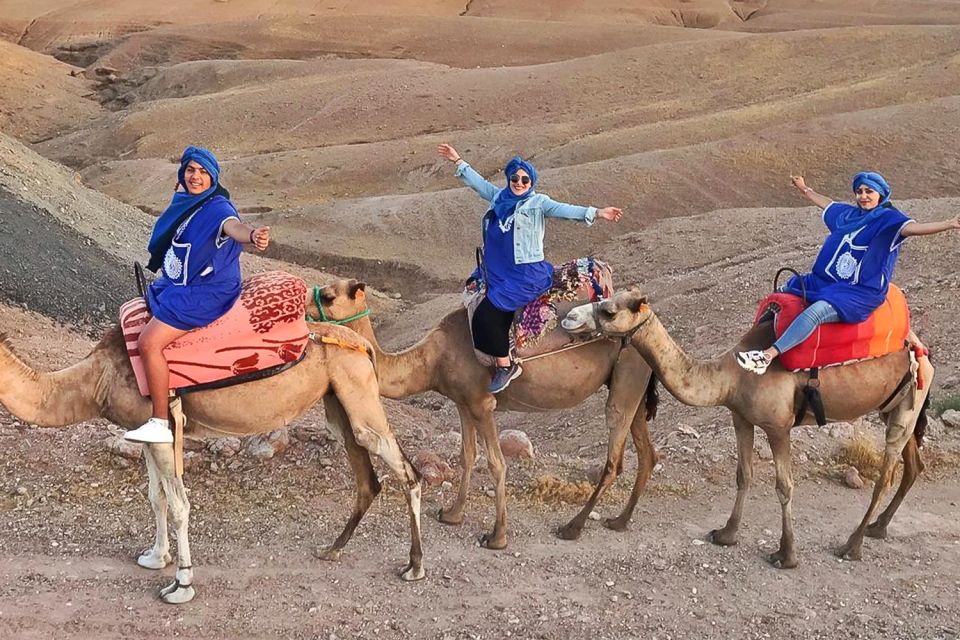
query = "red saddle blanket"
{"x": 264, "y": 329}
{"x": 885, "y": 331}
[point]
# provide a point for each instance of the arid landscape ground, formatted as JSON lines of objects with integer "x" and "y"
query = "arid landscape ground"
{"x": 690, "y": 115}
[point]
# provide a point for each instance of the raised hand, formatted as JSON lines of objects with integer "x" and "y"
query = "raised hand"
{"x": 448, "y": 152}
{"x": 613, "y": 214}
{"x": 260, "y": 237}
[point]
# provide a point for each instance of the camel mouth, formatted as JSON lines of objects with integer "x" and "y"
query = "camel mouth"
{"x": 572, "y": 325}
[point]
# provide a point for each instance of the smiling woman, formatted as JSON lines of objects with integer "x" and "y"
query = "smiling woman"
{"x": 515, "y": 270}
{"x": 196, "y": 243}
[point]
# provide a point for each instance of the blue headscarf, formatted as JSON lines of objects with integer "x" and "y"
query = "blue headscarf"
{"x": 856, "y": 218}
{"x": 506, "y": 202}
{"x": 183, "y": 203}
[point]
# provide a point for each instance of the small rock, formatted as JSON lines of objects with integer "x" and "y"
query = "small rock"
{"x": 515, "y": 444}
{"x": 105, "y": 71}
{"x": 307, "y": 432}
{"x": 842, "y": 430}
{"x": 852, "y": 478}
{"x": 266, "y": 446}
{"x": 951, "y": 418}
{"x": 432, "y": 469}
{"x": 688, "y": 430}
{"x": 491, "y": 493}
{"x": 193, "y": 444}
{"x": 192, "y": 460}
{"x": 225, "y": 447}
{"x": 594, "y": 515}
{"x": 124, "y": 448}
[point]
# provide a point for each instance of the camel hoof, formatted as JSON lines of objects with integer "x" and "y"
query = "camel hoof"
{"x": 411, "y": 573}
{"x": 148, "y": 560}
{"x": 616, "y": 524}
{"x": 721, "y": 538}
{"x": 490, "y": 541}
{"x": 877, "y": 531}
{"x": 448, "y": 517}
{"x": 177, "y": 593}
{"x": 783, "y": 560}
{"x": 330, "y": 555}
{"x": 569, "y": 532}
{"x": 848, "y": 552}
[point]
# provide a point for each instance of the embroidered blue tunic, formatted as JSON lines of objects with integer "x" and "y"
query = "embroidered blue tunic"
{"x": 511, "y": 286}
{"x": 854, "y": 268}
{"x": 200, "y": 278}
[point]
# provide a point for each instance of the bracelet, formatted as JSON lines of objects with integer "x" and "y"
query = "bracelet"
{"x": 252, "y": 231}
{"x": 807, "y": 189}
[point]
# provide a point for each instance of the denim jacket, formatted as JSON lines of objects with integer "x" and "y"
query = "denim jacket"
{"x": 528, "y": 224}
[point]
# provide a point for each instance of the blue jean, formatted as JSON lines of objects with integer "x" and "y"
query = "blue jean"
{"x": 805, "y": 324}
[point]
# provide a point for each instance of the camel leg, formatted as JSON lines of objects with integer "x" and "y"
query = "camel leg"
{"x": 912, "y": 467}
{"x": 181, "y": 589}
{"x": 158, "y": 556}
{"x": 786, "y": 556}
{"x": 368, "y": 486}
{"x": 727, "y": 536}
{"x": 496, "y": 539}
{"x": 900, "y": 424}
{"x": 646, "y": 461}
{"x": 453, "y": 514}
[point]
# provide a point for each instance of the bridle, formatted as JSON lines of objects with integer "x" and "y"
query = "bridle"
{"x": 625, "y": 336}
{"x": 323, "y": 314}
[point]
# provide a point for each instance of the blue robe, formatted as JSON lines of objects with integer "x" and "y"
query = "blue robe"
{"x": 511, "y": 286}
{"x": 854, "y": 268}
{"x": 200, "y": 278}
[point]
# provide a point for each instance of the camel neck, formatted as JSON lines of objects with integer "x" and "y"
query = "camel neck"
{"x": 403, "y": 373}
{"x": 53, "y": 399}
{"x": 692, "y": 382}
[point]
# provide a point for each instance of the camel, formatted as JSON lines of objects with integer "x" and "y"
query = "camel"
{"x": 444, "y": 361}
{"x": 103, "y": 385}
{"x": 771, "y": 402}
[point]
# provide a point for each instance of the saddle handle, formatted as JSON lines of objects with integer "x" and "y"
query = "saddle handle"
{"x": 776, "y": 281}
{"x": 140, "y": 278}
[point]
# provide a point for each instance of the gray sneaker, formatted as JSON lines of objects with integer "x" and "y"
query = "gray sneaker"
{"x": 502, "y": 376}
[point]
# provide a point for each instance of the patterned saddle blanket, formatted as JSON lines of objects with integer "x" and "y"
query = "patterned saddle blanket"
{"x": 885, "y": 331}
{"x": 264, "y": 333}
{"x": 532, "y": 332}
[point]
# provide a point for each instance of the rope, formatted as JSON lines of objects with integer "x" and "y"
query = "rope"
{"x": 340, "y": 343}
{"x": 566, "y": 347}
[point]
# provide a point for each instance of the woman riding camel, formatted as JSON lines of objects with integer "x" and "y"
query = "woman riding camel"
{"x": 853, "y": 270}
{"x": 197, "y": 243}
{"x": 516, "y": 271}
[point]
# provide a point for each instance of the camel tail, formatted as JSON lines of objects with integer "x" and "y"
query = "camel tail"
{"x": 921, "y": 427}
{"x": 653, "y": 397}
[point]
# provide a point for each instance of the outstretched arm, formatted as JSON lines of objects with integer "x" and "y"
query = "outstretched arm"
{"x": 554, "y": 209}
{"x": 467, "y": 175}
{"x": 929, "y": 228}
{"x": 811, "y": 195}
{"x": 259, "y": 237}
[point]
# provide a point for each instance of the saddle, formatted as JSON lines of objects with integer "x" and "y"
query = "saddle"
{"x": 263, "y": 334}
{"x": 532, "y": 332}
{"x": 885, "y": 331}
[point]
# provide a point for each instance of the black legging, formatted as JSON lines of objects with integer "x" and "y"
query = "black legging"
{"x": 491, "y": 329}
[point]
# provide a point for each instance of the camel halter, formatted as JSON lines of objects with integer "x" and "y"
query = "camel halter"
{"x": 323, "y": 314}
{"x": 625, "y": 336}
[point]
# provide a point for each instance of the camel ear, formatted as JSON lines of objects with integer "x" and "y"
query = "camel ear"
{"x": 635, "y": 304}
{"x": 357, "y": 290}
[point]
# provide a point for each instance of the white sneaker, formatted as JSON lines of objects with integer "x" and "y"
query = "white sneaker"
{"x": 153, "y": 431}
{"x": 753, "y": 361}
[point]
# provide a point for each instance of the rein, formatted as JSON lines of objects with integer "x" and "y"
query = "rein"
{"x": 323, "y": 314}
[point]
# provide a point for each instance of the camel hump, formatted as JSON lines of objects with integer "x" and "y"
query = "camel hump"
{"x": 265, "y": 332}
{"x": 885, "y": 331}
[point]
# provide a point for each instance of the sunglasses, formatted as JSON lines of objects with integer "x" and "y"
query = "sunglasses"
{"x": 518, "y": 179}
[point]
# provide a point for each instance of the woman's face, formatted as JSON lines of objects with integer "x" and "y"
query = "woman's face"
{"x": 519, "y": 182}
{"x": 196, "y": 178}
{"x": 867, "y": 198}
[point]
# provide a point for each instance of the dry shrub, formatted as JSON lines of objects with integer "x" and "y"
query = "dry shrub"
{"x": 551, "y": 489}
{"x": 861, "y": 451}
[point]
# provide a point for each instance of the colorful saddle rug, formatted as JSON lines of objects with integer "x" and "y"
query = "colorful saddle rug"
{"x": 264, "y": 333}
{"x": 574, "y": 282}
{"x": 885, "y": 331}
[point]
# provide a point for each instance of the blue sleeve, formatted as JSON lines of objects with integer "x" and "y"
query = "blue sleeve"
{"x": 830, "y": 213}
{"x": 554, "y": 209}
{"x": 477, "y": 182}
{"x": 213, "y": 216}
{"x": 893, "y": 223}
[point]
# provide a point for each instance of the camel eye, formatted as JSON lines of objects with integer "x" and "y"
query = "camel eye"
{"x": 327, "y": 298}
{"x": 606, "y": 313}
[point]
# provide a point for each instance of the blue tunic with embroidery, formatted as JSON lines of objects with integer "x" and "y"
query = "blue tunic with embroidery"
{"x": 511, "y": 286}
{"x": 854, "y": 268}
{"x": 200, "y": 279}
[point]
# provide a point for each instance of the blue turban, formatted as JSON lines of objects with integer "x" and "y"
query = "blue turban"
{"x": 506, "y": 202}
{"x": 183, "y": 203}
{"x": 875, "y": 181}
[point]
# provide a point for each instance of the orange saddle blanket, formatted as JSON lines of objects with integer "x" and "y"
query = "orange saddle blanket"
{"x": 885, "y": 331}
{"x": 265, "y": 331}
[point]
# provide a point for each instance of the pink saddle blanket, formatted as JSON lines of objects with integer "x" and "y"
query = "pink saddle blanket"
{"x": 266, "y": 328}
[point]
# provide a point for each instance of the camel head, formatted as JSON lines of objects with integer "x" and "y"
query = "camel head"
{"x": 621, "y": 315}
{"x": 344, "y": 298}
